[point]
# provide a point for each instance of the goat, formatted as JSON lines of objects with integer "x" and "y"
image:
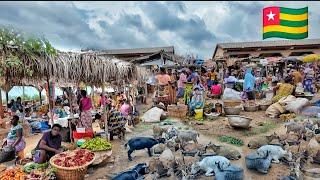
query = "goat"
{"x": 158, "y": 131}
{"x": 210, "y": 164}
{"x": 139, "y": 143}
{"x": 276, "y": 153}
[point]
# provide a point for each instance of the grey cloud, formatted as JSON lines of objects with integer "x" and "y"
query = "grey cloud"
{"x": 244, "y": 22}
{"x": 60, "y": 19}
{"x": 177, "y": 5}
{"x": 194, "y": 31}
{"x": 67, "y": 26}
{"x": 133, "y": 20}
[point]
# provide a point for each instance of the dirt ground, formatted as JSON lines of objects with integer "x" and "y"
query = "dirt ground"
{"x": 209, "y": 131}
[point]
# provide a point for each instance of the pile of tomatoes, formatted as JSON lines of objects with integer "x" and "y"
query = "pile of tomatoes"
{"x": 76, "y": 158}
{"x": 13, "y": 174}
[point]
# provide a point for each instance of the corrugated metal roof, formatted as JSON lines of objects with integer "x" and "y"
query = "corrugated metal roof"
{"x": 168, "y": 49}
{"x": 269, "y": 43}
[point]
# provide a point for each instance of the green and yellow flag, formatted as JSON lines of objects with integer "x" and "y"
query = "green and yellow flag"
{"x": 284, "y": 22}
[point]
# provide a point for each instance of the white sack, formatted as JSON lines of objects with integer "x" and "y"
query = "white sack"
{"x": 230, "y": 94}
{"x": 297, "y": 105}
{"x": 286, "y": 100}
{"x": 152, "y": 115}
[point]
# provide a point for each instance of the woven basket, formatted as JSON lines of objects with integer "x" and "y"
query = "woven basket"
{"x": 179, "y": 111}
{"x": 70, "y": 173}
{"x": 231, "y": 103}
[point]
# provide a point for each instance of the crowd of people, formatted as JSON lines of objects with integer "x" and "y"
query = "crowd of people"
{"x": 190, "y": 85}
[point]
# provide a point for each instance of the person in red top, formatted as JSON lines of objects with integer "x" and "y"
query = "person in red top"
{"x": 216, "y": 89}
{"x": 85, "y": 107}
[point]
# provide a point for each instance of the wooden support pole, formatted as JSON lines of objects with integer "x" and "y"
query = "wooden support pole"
{"x": 23, "y": 104}
{"x": 1, "y": 106}
{"x": 92, "y": 95}
{"x": 50, "y": 102}
{"x": 40, "y": 96}
{"x": 7, "y": 97}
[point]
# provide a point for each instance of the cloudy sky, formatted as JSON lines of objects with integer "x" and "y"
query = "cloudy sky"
{"x": 192, "y": 27}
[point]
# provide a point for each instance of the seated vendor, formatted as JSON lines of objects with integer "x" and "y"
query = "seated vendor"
{"x": 49, "y": 145}
{"x": 15, "y": 137}
{"x": 197, "y": 100}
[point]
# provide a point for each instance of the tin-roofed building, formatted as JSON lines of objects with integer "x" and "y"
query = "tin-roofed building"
{"x": 279, "y": 48}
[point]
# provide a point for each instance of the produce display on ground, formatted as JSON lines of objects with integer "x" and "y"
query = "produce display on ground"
{"x": 13, "y": 174}
{"x": 97, "y": 144}
{"x": 31, "y": 166}
{"x": 231, "y": 140}
{"x": 76, "y": 158}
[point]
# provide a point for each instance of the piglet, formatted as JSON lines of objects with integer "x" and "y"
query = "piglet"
{"x": 139, "y": 143}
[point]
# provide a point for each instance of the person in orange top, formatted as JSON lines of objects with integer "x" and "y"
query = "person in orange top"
{"x": 163, "y": 78}
{"x": 212, "y": 77}
{"x": 297, "y": 77}
{"x": 164, "y": 87}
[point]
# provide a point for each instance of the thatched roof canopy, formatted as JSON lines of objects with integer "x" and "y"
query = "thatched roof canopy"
{"x": 92, "y": 68}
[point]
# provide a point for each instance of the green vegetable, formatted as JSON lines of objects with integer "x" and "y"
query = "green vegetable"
{"x": 31, "y": 165}
{"x": 97, "y": 144}
{"x": 231, "y": 140}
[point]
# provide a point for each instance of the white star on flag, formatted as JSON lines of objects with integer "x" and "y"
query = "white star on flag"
{"x": 270, "y": 16}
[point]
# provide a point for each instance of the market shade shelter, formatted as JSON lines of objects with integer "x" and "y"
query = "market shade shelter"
{"x": 91, "y": 68}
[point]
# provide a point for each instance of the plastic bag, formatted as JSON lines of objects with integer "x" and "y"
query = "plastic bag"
{"x": 230, "y": 94}
{"x": 297, "y": 105}
{"x": 152, "y": 115}
{"x": 7, "y": 154}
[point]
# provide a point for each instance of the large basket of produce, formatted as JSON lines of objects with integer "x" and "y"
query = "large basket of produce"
{"x": 101, "y": 148}
{"x": 72, "y": 165}
{"x": 179, "y": 111}
{"x": 232, "y": 103}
